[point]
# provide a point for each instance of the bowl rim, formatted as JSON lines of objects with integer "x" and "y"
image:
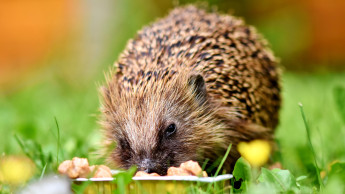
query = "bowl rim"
{"x": 165, "y": 178}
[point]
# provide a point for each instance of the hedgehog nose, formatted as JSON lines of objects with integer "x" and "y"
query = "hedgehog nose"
{"x": 147, "y": 166}
{"x": 148, "y": 170}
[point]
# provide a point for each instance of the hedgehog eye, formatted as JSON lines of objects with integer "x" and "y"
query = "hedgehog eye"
{"x": 170, "y": 130}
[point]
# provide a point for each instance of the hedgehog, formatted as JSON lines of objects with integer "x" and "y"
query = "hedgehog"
{"x": 185, "y": 88}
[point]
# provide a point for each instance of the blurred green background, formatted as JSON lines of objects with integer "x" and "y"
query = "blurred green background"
{"x": 53, "y": 55}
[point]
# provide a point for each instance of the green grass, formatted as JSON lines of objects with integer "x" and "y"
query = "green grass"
{"x": 327, "y": 130}
{"x": 54, "y": 120}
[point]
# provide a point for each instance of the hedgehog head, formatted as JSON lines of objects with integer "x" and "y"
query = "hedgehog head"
{"x": 158, "y": 120}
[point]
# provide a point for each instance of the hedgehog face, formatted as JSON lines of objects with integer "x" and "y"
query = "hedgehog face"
{"x": 151, "y": 155}
{"x": 160, "y": 127}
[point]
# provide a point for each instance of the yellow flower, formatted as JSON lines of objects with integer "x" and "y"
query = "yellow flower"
{"x": 16, "y": 170}
{"x": 255, "y": 152}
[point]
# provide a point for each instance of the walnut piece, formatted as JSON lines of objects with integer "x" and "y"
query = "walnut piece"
{"x": 100, "y": 171}
{"x": 189, "y": 168}
{"x": 142, "y": 173}
{"x": 64, "y": 166}
{"x": 192, "y": 167}
{"x": 79, "y": 168}
{"x": 174, "y": 171}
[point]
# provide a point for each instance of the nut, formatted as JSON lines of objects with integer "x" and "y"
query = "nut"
{"x": 100, "y": 171}
{"x": 80, "y": 167}
{"x": 192, "y": 167}
{"x": 64, "y": 166}
{"x": 142, "y": 173}
{"x": 174, "y": 171}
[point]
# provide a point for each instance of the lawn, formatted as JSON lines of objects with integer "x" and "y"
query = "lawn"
{"x": 33, "y": 117}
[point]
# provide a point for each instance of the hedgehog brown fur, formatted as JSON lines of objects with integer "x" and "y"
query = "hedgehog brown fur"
{"x": 185, "y": 88}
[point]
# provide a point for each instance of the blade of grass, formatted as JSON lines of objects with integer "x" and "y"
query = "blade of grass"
{"x": 58, "y": 140}
{"x": 311, "y": 146}
{"x": 22, "y": 146}
{"x": 219, "y": 167}
{"x": 43, "y": 171}
{"x": 223, "y": 160}
{"x": 204, "y": 164}
{"x": 203, "y": 168}
{"x": 39, "y": 153}
{"x": 214, "y": 165}
{"x": 35, "y": 153}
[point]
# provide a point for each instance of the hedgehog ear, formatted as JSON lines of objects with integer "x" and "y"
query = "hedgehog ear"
{"x": 197, "y": 83}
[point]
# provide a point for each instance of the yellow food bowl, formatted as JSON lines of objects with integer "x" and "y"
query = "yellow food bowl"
{"x": 161, "y": 184}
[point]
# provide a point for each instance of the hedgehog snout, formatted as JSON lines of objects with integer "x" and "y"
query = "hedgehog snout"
{"x": 146, "y": 165}
{"x": 150, "y": 166}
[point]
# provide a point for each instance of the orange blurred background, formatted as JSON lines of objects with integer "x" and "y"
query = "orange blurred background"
{"x": 327, "y": 20}
{"x": 29, "y": 32}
